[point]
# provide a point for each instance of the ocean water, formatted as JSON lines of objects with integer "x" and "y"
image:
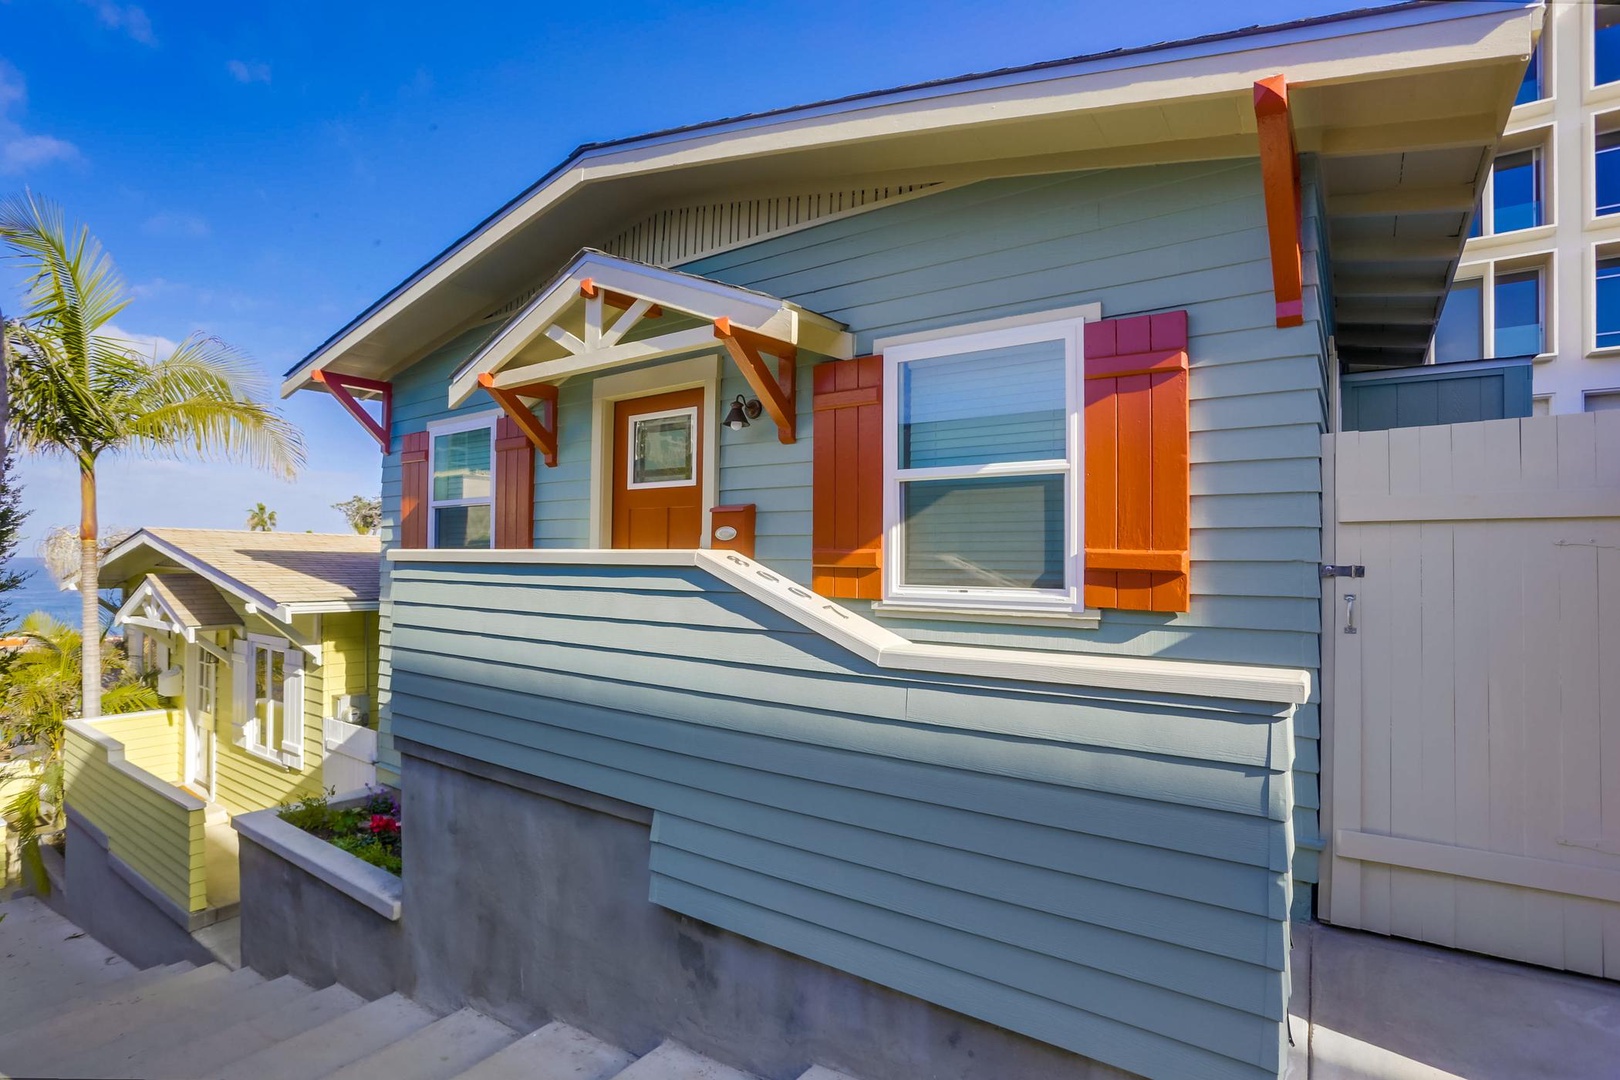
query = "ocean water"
{"x": 38, "y": 593}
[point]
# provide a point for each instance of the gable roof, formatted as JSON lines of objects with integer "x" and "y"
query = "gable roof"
{"x": 193, "y": 601}
{"x": 284, "y": 573}
{"x": 1449, "y": 70}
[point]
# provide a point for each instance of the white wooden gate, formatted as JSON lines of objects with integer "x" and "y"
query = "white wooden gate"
{"x": 1472, "y": 719}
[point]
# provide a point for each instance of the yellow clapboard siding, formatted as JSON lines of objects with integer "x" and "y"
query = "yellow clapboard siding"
{"x": 157, "y": 837}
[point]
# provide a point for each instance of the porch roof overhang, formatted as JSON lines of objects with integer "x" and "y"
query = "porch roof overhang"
{"x": 603, "y": 311}
{"x": 184, "y": 604}
{"x": 1404, "y": 105}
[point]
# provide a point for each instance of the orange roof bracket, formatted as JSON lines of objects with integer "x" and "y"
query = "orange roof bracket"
{"x": 777, "y": 390}
{"x": 541, "y": 432}
{"x": 342, "y": 388}
{"x": 1279, "y": 174}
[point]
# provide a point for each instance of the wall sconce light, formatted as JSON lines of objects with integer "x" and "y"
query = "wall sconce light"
{"x": 742, "y": 412}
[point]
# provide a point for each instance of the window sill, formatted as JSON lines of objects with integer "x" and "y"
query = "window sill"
{"x": 1606, "y": 352}
{"x": 1511, "y": 238}
{"x": 1088, "y": 619}
{"x": 274, "y": 757}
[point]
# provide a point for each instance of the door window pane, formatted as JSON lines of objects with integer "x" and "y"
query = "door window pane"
{"x": 461, "y": 465}
{"x": 1460, "y": 332}
{"x": 462, "y": 526}
{"x": 1608, "y": 173}
{"x": 1517, "y": 196}
{"x": 1518, "y": 314}
{"x": 663, "y": 449}
{"x": 1530, "y": 87}
{"x": 1608, "y": 303}
{"x": 1002, "y": 532}
{"x": 996, "y": 405}
{"x": 1605, "y": 43}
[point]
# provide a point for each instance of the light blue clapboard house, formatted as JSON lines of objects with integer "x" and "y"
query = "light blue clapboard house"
{"x": 852, "y": 591}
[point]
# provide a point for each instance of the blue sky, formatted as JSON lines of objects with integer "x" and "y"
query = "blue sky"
{"x": 263, "y": 172}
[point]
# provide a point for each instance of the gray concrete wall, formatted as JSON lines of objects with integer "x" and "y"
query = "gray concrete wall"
{"x": 113, "y": 912}
{"x": 293, "y": 923}
{"x": 532, "y": 904}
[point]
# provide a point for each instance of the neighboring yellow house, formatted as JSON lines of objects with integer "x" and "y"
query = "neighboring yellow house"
{"x": 265, "y": 649}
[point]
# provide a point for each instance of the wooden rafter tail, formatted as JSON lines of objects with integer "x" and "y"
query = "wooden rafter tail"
{"x": 777, "y": 391}
{"x": 540, "y": 431}
{"x": 343, "y": 387}
{"x": 1279, "y": 174}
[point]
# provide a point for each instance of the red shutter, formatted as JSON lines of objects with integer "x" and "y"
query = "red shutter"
{"x": 1137, "y": 452}
{"x": 413, "y": 490}
{"x": 847, "y": 503}
{"x": 514, "y": 486}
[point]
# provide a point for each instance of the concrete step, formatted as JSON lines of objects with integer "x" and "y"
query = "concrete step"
{"x": 48, "y": 960}
{"x": 821, "y": 1072}
{"x": 37, "y": 1049}
{"x": 209, "y": 1054}
{"x": 440, "y": 1051}
{"x": 129, "y": 1056}
{"x": 325, "y": 1049}
{"x": 555, "y": 1052}
{"x": 672, "y": 1061}
{"x": 36, "y": 1012}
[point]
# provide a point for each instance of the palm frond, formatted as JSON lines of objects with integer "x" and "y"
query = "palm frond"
{"x": 71, "y": 282}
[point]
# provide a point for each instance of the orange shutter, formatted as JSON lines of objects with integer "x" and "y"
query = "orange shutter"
{"x": 847, "y": 502}
{"x": 1137, "y": 489}
{"x": 514, "y": 486}
{"x": 413, "y": 490}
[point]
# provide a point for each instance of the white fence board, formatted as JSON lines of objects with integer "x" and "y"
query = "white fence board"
{"x": 1474, "y": 718}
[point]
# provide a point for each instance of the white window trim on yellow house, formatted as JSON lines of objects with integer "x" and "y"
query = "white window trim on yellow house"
{"x": 279, "y": 741}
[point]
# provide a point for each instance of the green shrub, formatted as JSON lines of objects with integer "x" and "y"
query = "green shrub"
{"x": 370, "y": 831}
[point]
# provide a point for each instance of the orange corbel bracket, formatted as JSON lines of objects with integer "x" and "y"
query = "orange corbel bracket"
{"x": 589, "y": 290}
{"x": 342, "y": 388}
{"x": 542, "y": 433}
{"x": 1279, "y": 175}
{"x": 777, "y": 390}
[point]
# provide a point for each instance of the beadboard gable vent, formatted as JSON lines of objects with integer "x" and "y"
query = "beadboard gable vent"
{"x": 670, "y": 237}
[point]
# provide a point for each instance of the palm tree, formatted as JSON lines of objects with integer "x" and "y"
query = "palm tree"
{"x": 78, "y": 392}
{"x": 37, "y": 695}
{"x": 261, "y": 519}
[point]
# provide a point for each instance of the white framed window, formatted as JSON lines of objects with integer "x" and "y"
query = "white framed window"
{"x": 461, "y": 482}
{"x": 982, "y": 469}
{"x": 661, "y": 449}
{"x": 268, "y": 705}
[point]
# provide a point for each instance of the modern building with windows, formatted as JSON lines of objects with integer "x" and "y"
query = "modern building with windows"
{"x": 1540, "y": 275}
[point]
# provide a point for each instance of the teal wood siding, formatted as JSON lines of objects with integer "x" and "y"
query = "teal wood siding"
{"x": 1106, "y": 871}
{"x": 1165, "y": 237}
{"x": 1136, "y": 240}
{"x": 1436, "y": 394}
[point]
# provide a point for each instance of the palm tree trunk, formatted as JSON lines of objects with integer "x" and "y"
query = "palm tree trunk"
{"x": 89, "y": 591}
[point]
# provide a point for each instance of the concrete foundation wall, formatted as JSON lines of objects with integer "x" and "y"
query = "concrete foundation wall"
{"x": 530, "y": 901}
{"x": 114, "y": 912}
{"x": 293, "y": 923}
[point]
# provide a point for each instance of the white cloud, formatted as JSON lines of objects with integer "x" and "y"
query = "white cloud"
{"x": 176, "y": 223}
{"x": 248, "y": 71}
{"x": 129, "y": 18}
{"x": 21, "y": 150}
{"x": 145, "y": 344}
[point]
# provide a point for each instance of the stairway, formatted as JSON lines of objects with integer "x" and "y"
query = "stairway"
{"x": 70, "y": 1008}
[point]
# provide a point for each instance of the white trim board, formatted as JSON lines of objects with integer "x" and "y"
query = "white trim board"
{"x": 885, "y": 648}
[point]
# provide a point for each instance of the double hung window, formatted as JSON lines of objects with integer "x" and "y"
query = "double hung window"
{"x": 983, "y": 449}
{"x": 462, "y": 510}
{"x": 267, "y": 707}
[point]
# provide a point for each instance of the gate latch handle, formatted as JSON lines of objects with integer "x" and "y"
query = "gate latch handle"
{"x": 1349, "y": 612}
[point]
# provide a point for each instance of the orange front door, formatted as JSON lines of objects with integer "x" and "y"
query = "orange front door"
{"x": 657, "y": 471}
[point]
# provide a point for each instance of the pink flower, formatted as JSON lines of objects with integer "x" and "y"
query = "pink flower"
{"x": 383, "y": 823}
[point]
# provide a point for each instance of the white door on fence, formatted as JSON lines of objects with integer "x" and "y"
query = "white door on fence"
{"x": 351, "y": 756}
{"x": 1472, "y": 717}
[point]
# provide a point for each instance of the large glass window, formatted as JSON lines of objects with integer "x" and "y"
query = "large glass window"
{"x": 1518, "y": 313}
{"x": 1530, "y": 87}
{"x": 463, "y": 510}
{"x": 985, "y": 467}
{"x": 1460, "y": 333}
{"x": 1607, "y": 173}
{"x": 1516, "y": 192}
{"x": 1605, "y": 42}
{"x": 1608, "y": 303}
